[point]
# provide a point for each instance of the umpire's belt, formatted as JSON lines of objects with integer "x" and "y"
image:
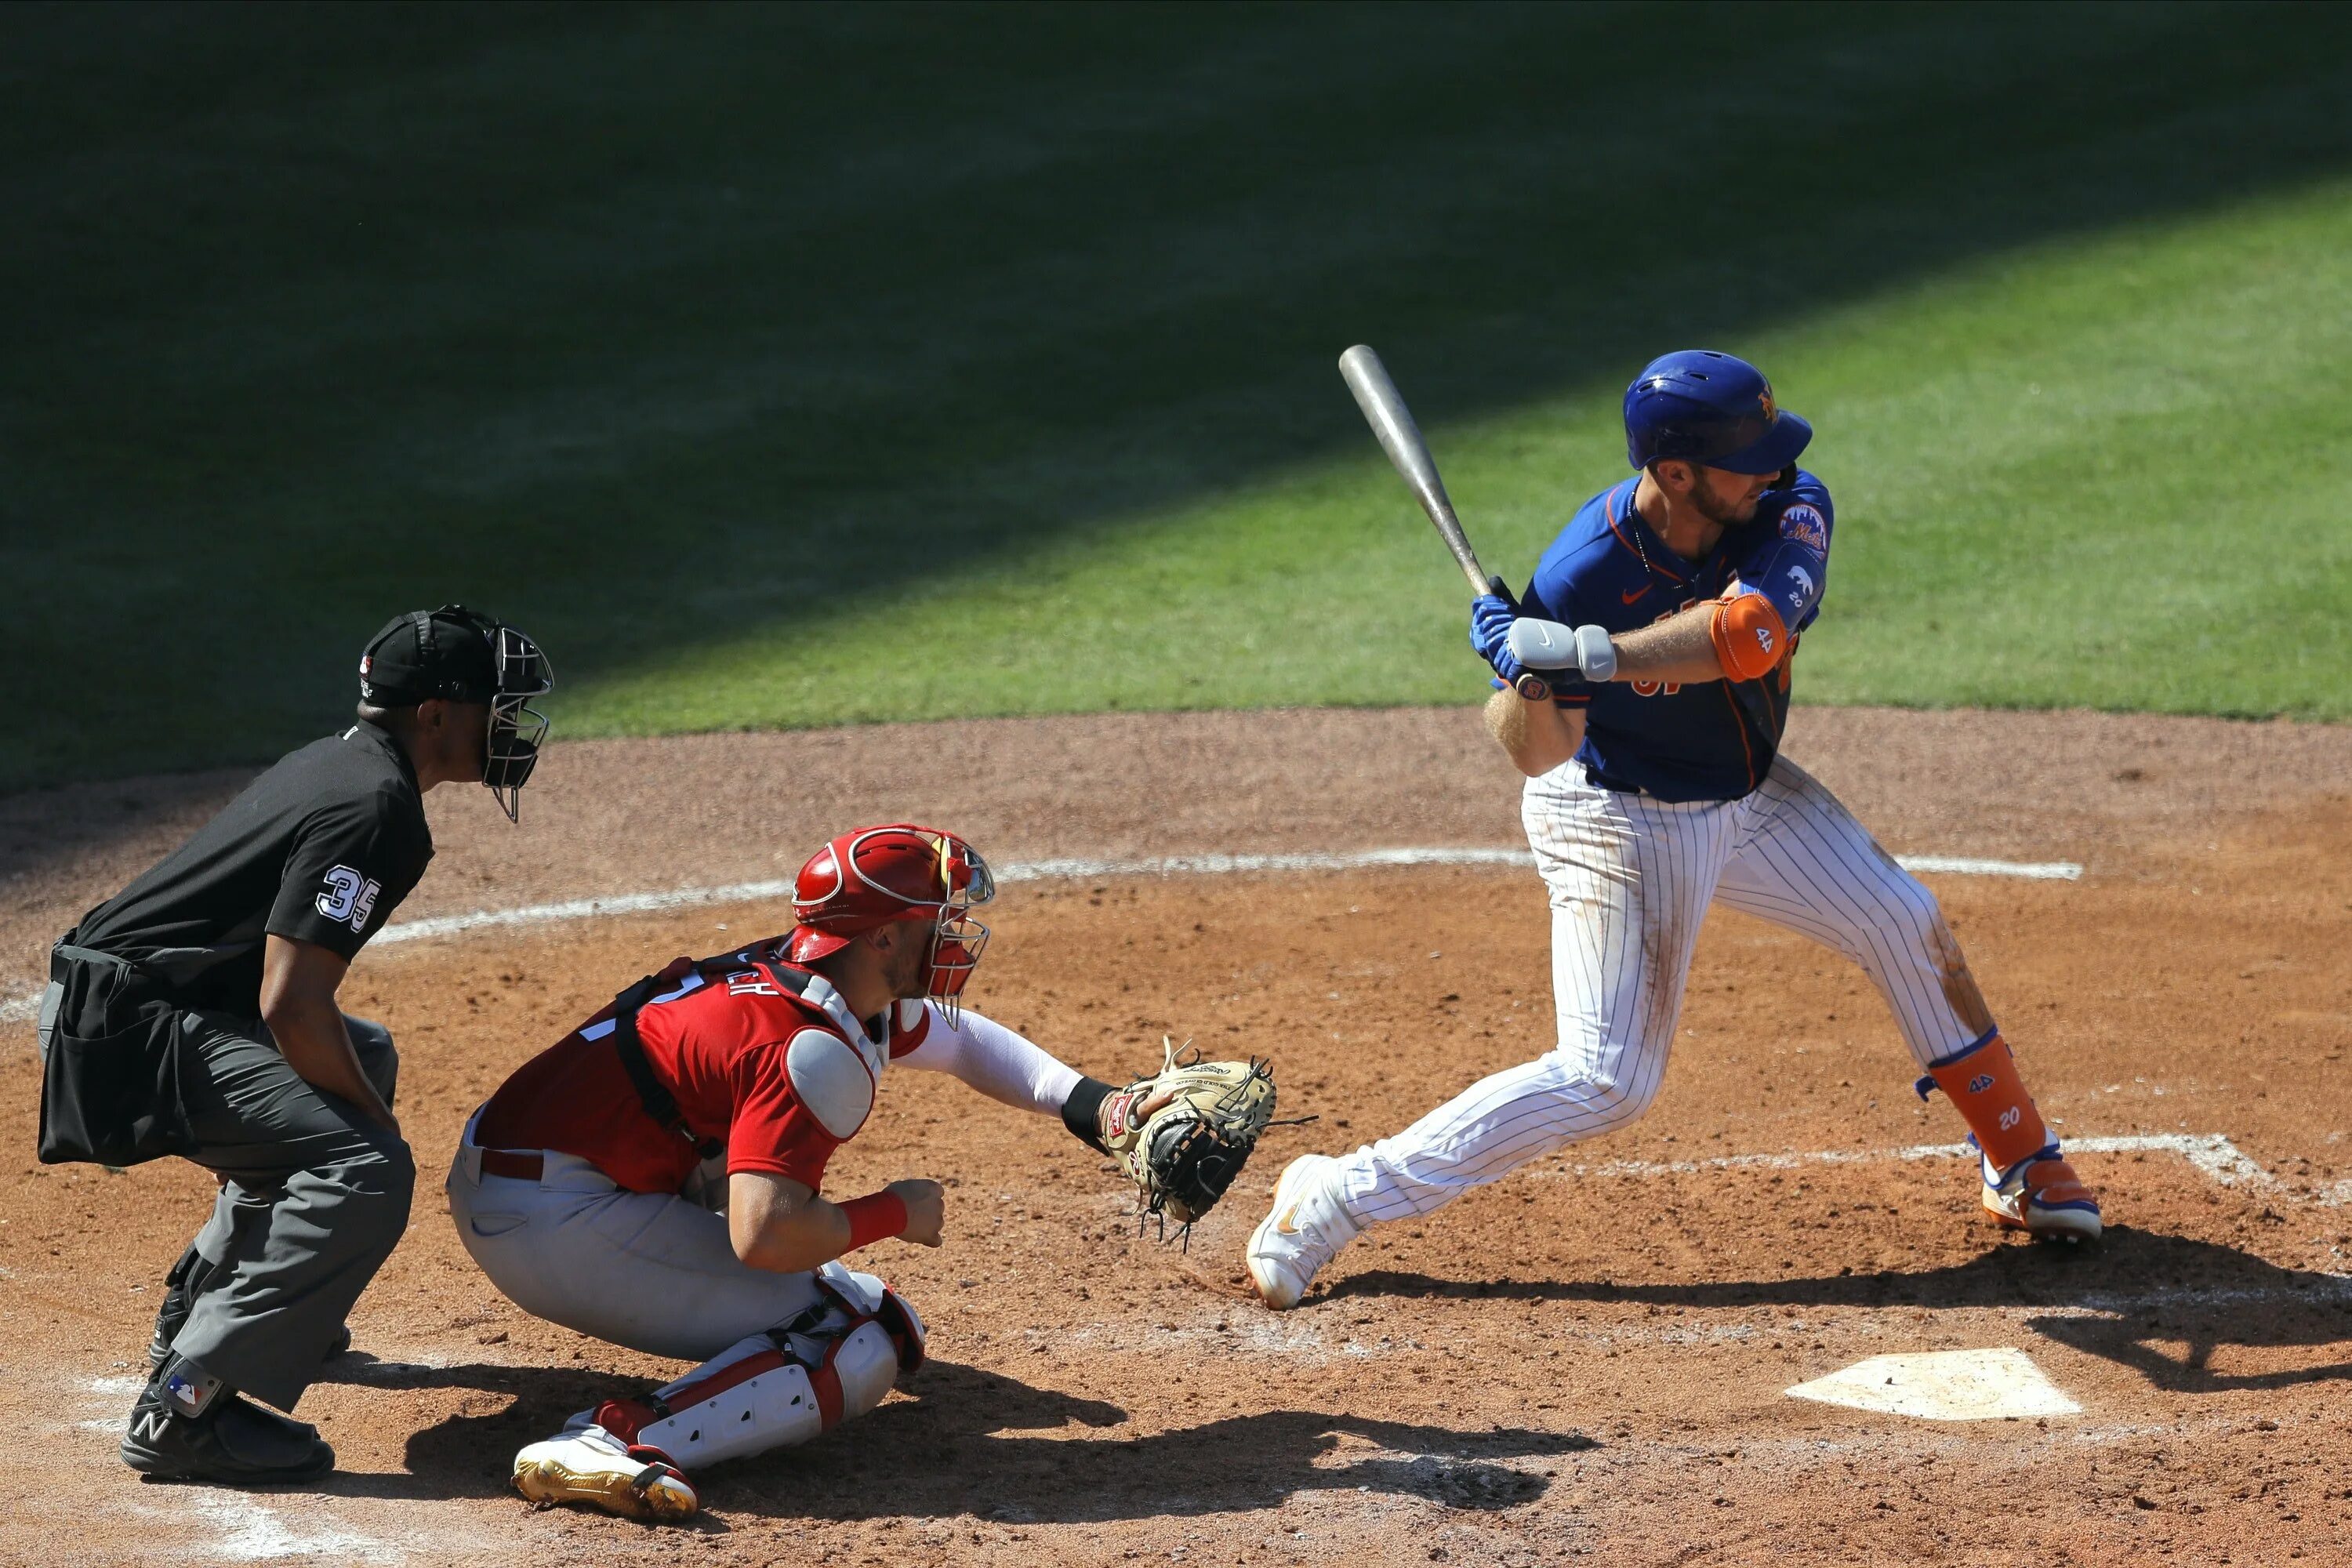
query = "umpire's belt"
{"x": 114, "y": 987}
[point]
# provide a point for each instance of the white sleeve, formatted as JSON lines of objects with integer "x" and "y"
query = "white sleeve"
{"x": 995, "y": 1060}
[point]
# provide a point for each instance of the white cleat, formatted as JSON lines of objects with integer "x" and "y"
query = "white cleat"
{"x": 1304, "y": 1231}
{"x": 2044, "y": 1197}
{"x": 591, "y": 1468}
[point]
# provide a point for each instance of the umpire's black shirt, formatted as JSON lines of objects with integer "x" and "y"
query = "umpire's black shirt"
{"x": 322, "y": 848}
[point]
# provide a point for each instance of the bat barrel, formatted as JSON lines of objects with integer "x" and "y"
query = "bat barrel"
{"x": 1392, "y": 425}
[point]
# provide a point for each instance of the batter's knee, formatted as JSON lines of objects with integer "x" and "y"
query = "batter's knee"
{"x": 371, "y": 1043}
{"x": 1596, "y": 1102}
{"x": 1905, "y": 898}
{"x": 1621, "y": 1105}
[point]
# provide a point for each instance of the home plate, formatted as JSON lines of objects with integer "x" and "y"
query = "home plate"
{"x": 1943, "y": 1385}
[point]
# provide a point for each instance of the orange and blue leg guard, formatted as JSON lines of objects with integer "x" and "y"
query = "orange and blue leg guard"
{"x": 2028, "y": 1184}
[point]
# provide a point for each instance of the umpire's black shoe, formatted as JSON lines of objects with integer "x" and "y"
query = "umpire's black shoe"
{"x": 232, "y": 1443}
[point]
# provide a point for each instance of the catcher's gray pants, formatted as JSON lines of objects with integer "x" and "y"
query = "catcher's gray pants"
{"x": 316, "y": 1198}
{"x": 649, "y": 1270}
{"x": 657, "y": 1272}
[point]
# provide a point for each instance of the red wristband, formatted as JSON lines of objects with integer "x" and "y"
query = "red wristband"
{"x": 874, "y": 1217}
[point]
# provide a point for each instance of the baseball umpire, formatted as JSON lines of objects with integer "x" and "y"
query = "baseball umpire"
{"x": 1659, "y": 788}
{"x": 194, "y": 1013}
{"x": 590, "y": 1186}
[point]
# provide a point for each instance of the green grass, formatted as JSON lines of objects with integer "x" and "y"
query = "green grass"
{"x": 786, "y": 367}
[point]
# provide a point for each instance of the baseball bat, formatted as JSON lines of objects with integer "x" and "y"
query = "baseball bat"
{"x": 1400, "y": 439}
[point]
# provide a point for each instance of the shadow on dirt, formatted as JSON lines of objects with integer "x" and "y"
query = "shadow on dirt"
{"x": 947, "y": 1453}
{"x": 2134, "y": 1293}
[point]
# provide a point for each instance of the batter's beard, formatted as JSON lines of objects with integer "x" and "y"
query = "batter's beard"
{"x": 1722, "y": 516}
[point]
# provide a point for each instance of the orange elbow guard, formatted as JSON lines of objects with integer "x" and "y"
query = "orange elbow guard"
{"x": 1984, "y": 1086}
{"x": 1750, "y": 636}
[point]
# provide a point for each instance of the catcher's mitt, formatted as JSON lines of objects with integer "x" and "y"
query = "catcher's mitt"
{"x": 1184, "y": 1154}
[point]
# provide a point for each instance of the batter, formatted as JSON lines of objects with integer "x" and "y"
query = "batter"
{"x": 1663, "y": 789}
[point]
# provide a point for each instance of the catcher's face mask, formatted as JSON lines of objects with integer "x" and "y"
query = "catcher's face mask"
{"x": 958, "y": 940}
{"x": 955, "y": 953}
{"x": 516, "y": 727}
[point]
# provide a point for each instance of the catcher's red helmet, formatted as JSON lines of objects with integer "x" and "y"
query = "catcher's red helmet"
{"x": 871, "y": 877}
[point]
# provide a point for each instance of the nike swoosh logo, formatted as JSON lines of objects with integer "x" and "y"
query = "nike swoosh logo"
{"x": 1636, "y": 593}
{"x": 1286, "y": 1225}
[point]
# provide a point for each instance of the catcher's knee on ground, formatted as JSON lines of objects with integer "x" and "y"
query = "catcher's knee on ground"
{"x": 773, "y": 1390}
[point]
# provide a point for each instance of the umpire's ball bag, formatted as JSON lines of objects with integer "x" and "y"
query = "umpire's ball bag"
{"x": 111, "y": 1080}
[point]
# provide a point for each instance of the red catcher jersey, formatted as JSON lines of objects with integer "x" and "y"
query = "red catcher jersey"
{"x": 762, "y": 1056}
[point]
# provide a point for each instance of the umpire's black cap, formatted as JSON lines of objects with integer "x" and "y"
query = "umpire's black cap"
{"x": 444, "y": 653}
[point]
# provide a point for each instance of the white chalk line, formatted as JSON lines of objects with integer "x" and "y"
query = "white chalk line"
{"x": 241, "y": 1529}
{"x": 251, "y": 1531}
{"x": 1074, "y": 868}
{"x": 2212, "y": 1154}
{"x": 16, "y": 1009}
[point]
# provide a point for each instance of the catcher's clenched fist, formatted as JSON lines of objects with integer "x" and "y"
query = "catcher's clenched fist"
{"x": 1183, "y": 1133}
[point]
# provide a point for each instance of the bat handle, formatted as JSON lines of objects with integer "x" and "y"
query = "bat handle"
{"x": 1529, "y": 685}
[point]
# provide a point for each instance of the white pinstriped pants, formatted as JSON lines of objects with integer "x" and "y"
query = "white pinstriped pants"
{"x": 1631, "y": 878}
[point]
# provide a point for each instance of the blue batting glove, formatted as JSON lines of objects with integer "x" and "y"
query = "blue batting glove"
{"x": 1490, "y": 630}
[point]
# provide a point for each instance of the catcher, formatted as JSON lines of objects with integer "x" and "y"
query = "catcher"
{"x": 653, "y": 1178}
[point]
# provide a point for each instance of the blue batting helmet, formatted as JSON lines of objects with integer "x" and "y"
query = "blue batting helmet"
{"x": 1710, "y": 408}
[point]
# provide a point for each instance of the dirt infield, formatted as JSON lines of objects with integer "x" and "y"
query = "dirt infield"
{"x": 1587, "y": 1359}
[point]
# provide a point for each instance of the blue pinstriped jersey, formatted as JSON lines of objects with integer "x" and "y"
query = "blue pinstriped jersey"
{"x": 1710, "y": 740}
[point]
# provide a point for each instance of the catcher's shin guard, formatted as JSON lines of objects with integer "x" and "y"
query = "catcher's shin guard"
{"x": 783, "y": 1387}
{"x": 2028, "y": 1184}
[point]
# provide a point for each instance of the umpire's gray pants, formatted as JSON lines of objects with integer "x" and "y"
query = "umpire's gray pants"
{"x": 316, "y": 1198}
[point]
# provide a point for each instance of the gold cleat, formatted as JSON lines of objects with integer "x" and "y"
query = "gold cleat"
{"x": 579, "y": 1468}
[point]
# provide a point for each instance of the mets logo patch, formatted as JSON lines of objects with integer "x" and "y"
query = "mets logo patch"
{"x": 1805, "y": 524}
